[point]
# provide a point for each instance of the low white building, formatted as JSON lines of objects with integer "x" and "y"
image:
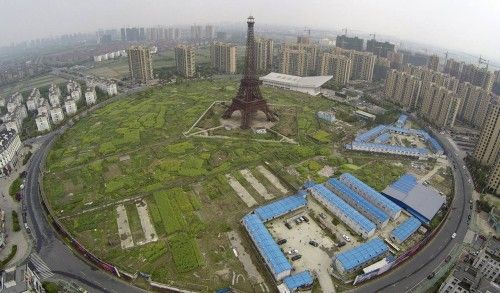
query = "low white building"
{"x": 107, "y": 86}
{"x": 10, "y": 144}
{"x": 42, "y": 122}
{"x": 310, "y": 84}
{"x": 70, "y": 106}
{"x": 57, "y": 115}
{"x": 14, "y": 119}
{"x": 90, "y": 96}
{"x": 54, "y": 95}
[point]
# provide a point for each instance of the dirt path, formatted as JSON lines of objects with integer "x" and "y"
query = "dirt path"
{"x": 241, "y": 191}
{"x": 273, "y": 179}
{"x": 124, "y": 227}
{"x": 147, "y": 226}
{"x": 244, "y": 258}
{"x": 261, "y": 189}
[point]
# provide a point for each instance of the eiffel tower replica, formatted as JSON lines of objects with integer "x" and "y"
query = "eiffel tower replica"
{"x": 249, "y": 100}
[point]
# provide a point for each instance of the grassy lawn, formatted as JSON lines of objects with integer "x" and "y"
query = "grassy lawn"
{"x": 136, "y": 147}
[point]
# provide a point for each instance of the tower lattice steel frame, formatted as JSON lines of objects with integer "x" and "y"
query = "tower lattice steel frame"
{"x": 249, "y": 99}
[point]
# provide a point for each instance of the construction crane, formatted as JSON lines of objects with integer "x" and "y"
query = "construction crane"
{"x": 307, "y": 30}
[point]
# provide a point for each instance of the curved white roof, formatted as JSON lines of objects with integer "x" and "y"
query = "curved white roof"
{"x": 298, "y": 81}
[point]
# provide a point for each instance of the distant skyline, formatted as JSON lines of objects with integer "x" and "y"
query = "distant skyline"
{"x": 471, "y": 26}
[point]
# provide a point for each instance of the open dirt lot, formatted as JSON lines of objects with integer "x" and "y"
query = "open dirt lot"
{"x": 315, "y": 259}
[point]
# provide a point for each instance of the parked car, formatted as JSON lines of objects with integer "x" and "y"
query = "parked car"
{"x": 341, "y": 243}
{"x": 448, "y": 258}
{"x": 314, "y": 243}
{"x": 305, "y": 219}
{"x": 453, "y": 235}
{"x": 288, "y": 225}
{"x": 281, "y": 241}
{"x": 346, "y": 238}
{"x": 296, "y": 257}
{"x": 431, "y": 275}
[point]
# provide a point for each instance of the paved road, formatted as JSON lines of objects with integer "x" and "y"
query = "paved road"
{"x": 51, "y": 252}
{"x": 410, "y": 273}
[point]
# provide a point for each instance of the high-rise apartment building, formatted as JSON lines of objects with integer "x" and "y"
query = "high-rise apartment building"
{"x": 363, "y": 64}
{"x": 453, "y": 68}
{"x": 223, "y": 57}
{"x": 196, "y": 33}
{"x": 379, "y": 49}
{"x": 185, "y": 60}
{"x": 439, "y": 106}
{"x": 293, "y": 62}
{"x": 209, "y": 32}
{"x": 403, "y": 88}
{"x": 311, "y": 52}
{"x": 494, "y": 178}
{"x": 475, "y": 104}
{"x": 477, "y": 76}
{"x": 264, "y": 54}
{"x": 488, "y": 147}
{"x": 349, "y": 43}
{"x": 433, "y": 62}
{"x": 337, "y": 65}
{"x": 381, "y": 69}
{"x": 303, "y": 39}
{"x": 140, "y": 64}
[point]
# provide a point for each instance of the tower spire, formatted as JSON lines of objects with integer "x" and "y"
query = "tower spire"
{"x": 249, "y": 99}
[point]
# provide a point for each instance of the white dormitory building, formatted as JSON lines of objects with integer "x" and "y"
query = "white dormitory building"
{"x": 54, "y": 95}
{"x": 10, "y": 144}
{"x": 42, "y": 122}
{"x": 70, "y": 106}
{"x": 57, "y": 115}
{"x": 106, "y": 86}
{"x": 74, "y": 90}
{"x": 33, "y": 100}
{"x": 90, "y": 96}
{"x": 43, "y": 107}
{"x": 16, "y": 100}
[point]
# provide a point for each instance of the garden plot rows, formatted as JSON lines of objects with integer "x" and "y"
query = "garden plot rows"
{"x": 248, "y": 178}
{"x": 126, "y": 238}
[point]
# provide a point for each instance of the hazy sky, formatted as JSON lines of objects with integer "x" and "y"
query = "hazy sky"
{"x": 472, "y": 26}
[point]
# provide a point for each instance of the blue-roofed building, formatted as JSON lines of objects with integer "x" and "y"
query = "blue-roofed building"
{"x": 298, "y": 281}
{"x": 362, "y": 205}
{"x": 388, "y": 149}
{"x": 401, "y": 121}
{"x": 370, "y": 194}
{"x": 423, "y": 202}
{"x": 370, "y": 134}
{"x": 383, "y": 138}
{"x": 438, "y": 149}
{"x": 361, "y": 255}
{"x": 347, "y": 214}
{"x": 281, "y": 207}
{"x": 405, "y": 230}
{"x": 274, "y": 258}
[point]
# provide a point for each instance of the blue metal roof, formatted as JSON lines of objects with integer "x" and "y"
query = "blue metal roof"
{"x": 362, "y": 254}
{"x": 373, "y": 213}
{"x": 383, "y": 138}
{"x": 393, "y": 149}
{"x": 280, "y": 207}
{"x": 401, "y": 120}
{"x": 370, "y": 134}
{"x": 349, "y": 211}
{"x": 405, "y": 183}
{"x": 406, "y": 229}
{"x": 370, "y": 194}
{"x": 435, "y": 145}
{"x": 269, "y": 250}
{"x": 299, "y": 280}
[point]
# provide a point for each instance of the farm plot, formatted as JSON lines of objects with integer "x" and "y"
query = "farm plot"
{"x": 241, "y": 191}
{"x": 256, "y": 184}
{"x": 124, "y": 227}
{"x": 273, "y": 179}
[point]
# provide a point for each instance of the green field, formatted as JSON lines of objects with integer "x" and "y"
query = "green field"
{"x": 29, "y": 84}
{"x": 135, "y": 147}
